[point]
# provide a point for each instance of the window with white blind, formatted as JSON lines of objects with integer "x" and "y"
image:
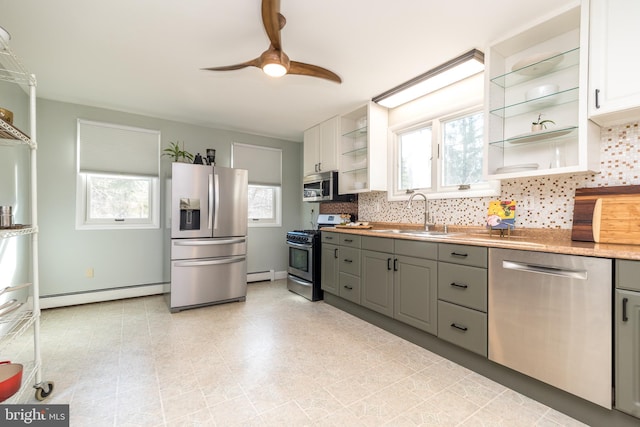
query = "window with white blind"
{"x": 265, "y": 182}
{"x": 118, "y": 170}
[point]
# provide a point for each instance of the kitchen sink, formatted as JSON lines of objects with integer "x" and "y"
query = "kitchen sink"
{"x": 417, "y": 233}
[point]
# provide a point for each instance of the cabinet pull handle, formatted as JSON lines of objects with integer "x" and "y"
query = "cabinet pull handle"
{"x": 389, "y": 264}
{"x": 459, "y": 285}
{"x": 460, "y": 327}
{"x": 348, "y": 240}
{"x": 335, "y": 253}
{"x": 348, "y": 260}
{"x": 395, "y": 264}
{"x": 459, "y": 254}
{"x": 625, "y": 318}
{"x": 597, "y": 98}
{"x": 320, "y": 167}
{"x": 348, "y": 287}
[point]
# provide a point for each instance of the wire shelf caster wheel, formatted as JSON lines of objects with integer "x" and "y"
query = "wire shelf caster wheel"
{"x": 43, "y": 390}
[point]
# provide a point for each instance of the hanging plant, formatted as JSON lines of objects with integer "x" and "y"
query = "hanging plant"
{"x": 176, "y": 153}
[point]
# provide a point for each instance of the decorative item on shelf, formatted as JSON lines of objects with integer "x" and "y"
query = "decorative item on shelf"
{"x": 501, "y": 216}
{"x": 537, "y": 63}
{"x": 211, "y": 156}
{"x": 178, "y": 154}
{"x": 540, "y": 124}
{"x": 361, "y": 122}
{"x": 6, "y": 217}
{"x": 197, "y": 160}
{"x": 6, "y": 115}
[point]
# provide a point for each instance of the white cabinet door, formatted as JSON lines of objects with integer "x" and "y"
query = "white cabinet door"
{"x": 328, "y": 150}
{"x": 311, "y": 144}
{"x": 614, "y": 95}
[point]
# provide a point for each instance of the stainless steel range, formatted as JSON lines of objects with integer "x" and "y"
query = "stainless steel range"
{"x": 304, "y": 259}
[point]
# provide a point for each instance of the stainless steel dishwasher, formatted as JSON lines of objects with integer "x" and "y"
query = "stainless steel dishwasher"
{"x": 550, "y": 318}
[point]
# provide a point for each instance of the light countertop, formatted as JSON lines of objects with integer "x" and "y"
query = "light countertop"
{"x": 540, "y": 240}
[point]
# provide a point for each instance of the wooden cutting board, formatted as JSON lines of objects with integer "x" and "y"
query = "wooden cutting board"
{"x": 584, "y": 206}
{"x": 616, "y": 219}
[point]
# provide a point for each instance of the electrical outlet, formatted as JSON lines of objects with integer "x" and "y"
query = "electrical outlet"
{"x": 528, "y": 203}
{"x": 89, "y": 273}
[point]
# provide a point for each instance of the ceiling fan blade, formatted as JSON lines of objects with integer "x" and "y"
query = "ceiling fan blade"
{"x": 273, "y": 21}
{"x": 313, "y": 71}
{"x": 253, "y": 63}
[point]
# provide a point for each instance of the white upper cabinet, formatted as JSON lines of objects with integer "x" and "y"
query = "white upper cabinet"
{"x": 321, "y": 147}
{"x": 363, "y": 150}
{"x": 614, "y": 86}
{"x": 540, "y": 72}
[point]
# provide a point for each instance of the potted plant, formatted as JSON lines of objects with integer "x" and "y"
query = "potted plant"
{"x": 178, "y": 154}
{"x": 540, "y": 124}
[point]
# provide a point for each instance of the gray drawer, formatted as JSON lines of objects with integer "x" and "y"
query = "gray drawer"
{"x": 463, "y": 327}
{"x": 349, "y": 261}
{"x": 350, "y": 240}
{"x": 378, "y": 244}
{"x": 464, "y": 285}
{"x": 428, "y": 250}
{"x": 328, "y": 237}
{"x": 628, "y": 274}
{"x": 463, "y": 254}
{"x": 349, "y": 287}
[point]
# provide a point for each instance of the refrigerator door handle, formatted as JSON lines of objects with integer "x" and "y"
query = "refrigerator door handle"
{"x": 217, "y": 261}
{"x": 209, "y": 242}
{"x": 216, "y": 199}
{"x": 210, "y": 201}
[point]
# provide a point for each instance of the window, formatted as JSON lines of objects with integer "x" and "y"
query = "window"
{"x": 265, "y": 171}
{"x": 118, "y": 177}
{"x": 264, "y": 202}
{"x": 442, "y": 156}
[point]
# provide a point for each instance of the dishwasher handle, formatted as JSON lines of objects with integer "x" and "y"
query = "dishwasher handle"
{"x": 545, "y": 269}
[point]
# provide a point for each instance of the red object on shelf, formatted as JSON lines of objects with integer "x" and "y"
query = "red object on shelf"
{"x": 10, "y": 379}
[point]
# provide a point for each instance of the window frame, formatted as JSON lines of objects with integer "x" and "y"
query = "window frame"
{"x": 276, "y": 221}
{"x": 437, "y": 190}
{"x": 83, "y": 222}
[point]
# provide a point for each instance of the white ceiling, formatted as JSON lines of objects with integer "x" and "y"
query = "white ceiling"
{"x": 145, "y": 56}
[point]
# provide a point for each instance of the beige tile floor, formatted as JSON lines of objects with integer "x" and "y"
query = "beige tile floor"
{"x": 275, "y": 360}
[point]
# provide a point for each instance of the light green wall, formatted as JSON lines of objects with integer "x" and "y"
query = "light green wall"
{"x": 135, "y": 257}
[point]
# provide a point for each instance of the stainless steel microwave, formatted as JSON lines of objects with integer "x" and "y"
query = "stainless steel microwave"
{"x": 323, "y": 187}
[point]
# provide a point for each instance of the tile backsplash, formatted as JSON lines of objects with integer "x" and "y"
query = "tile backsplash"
{"x": 550, "y": 197}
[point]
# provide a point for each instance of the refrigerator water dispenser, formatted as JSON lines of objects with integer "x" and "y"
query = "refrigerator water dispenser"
{"x": 189, "y": 214}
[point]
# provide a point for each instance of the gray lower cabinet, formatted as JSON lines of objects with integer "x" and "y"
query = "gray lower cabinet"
{"x": 399, "y": 281}
{"x": 462, "y": 296}
{"x": 329, "y": 268}
{"x": 627, "y": 337}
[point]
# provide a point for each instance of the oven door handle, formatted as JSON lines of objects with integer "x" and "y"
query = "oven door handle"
{"x": 300, "y": 245}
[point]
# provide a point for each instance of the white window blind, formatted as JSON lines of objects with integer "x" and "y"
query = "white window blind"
{"x": 110, "y": 148}
{"x": 263, "y": 163}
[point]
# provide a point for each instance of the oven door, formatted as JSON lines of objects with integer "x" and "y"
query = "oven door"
{"x": 301, "y": 260}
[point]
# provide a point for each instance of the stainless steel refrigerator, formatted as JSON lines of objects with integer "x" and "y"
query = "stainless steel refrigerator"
{"x": 208, "y": 235}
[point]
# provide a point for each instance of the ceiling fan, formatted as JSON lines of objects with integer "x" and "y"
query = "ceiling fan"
{"x": 273, "y": 61}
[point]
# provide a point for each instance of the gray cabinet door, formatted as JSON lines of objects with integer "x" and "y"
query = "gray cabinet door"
{"x": 627, "y": 368}
{"x": 329, "y": 269}
{"x": 415, "y": 294}
{"x": 377, "y": 281}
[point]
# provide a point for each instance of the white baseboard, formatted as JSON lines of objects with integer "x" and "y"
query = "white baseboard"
{"x": 100, "y": 296}
{"x": 135, "y": 291}
{"x": 270, "y": 275}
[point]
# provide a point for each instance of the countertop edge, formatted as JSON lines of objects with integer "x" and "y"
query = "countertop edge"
{"x": 552, "y": 241}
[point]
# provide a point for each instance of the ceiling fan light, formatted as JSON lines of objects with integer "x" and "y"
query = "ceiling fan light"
{"x": 274, "y": 70}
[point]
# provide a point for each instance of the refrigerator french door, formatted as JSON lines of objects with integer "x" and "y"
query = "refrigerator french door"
{"x": 208, "y": 235}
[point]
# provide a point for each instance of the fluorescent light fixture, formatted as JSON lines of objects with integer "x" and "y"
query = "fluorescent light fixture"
{"x": 443, "y": 75}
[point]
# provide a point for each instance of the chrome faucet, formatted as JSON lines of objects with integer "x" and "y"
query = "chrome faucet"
{"x": 427, "y": 216}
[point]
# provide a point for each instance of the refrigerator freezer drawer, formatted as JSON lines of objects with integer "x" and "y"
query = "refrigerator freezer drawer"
{"x": 208, "y": 248}
{"x": 207, "y": 281}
